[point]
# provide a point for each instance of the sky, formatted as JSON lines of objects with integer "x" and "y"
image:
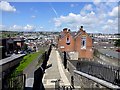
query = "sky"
{"x": 95, "y": 17}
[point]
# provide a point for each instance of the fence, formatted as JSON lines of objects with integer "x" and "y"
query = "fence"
{"x": 110, "y": 74}
{"x": 107, "y": 73}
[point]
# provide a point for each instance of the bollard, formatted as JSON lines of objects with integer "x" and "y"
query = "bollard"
{"x": 117, "y": 80}
{"x": 63, "y": 87}
{"x": 70, "y": 88}
{"x": 72, "y": 82}
{"x": 66, "y": 88}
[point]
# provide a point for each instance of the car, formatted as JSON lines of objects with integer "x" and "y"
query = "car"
{"x": 118, "y": 50}
{"x": 104, "y": 47}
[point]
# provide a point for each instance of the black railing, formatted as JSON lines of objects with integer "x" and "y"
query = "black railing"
{"x": 107, "y": 73}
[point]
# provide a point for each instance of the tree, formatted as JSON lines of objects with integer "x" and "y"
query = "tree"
{"x": 117, "y": 43}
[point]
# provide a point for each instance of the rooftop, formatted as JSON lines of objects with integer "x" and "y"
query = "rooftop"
{"x": 110, "y": 53}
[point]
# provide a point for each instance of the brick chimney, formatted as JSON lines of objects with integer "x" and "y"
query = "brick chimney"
{"x": 81, "y": 28}
{"x": 65, "y": 30}
{"x": 68, "y": 30}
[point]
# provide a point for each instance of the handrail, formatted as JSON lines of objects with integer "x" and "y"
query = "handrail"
{"x": 97, "y": 80}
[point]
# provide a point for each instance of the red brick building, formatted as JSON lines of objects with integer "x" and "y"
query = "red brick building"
{"x": 66, "y": 41}
{"x": 81, "y": 43}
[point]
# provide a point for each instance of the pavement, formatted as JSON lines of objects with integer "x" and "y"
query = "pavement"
{"x": 56, "y": 72}
{"x": 52, "y": 74}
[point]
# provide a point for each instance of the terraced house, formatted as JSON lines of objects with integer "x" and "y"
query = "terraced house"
{"x": 79, "y": 42}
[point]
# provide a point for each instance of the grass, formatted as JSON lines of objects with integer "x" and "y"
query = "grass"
{"x": 25, "y": 62}
{"x": 14, "y": 80}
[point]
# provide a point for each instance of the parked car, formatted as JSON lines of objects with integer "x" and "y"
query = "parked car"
{"x": 118, "y": 50}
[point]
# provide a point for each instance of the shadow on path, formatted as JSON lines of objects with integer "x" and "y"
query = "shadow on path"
{"x": 38, "y": 75}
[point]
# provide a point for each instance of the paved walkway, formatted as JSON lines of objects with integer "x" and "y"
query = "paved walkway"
{"x": 52, "y": 74}
{"x": 55, "y": 72}
{"x": 29, "y": 72}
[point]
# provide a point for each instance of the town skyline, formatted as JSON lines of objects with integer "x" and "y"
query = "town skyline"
{"x": 96, "y": 17}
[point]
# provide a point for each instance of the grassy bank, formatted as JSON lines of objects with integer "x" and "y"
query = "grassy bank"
{"x": 26, "y": 61}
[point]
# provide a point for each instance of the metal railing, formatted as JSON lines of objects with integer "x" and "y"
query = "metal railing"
{"x": 110, "y": 74}
{"x": 107, "y": 73}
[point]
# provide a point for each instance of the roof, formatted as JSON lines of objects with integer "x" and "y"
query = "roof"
{"x": 19, "y": 39}
{"x": 109, "y": 53}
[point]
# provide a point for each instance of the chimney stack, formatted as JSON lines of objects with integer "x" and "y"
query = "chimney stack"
{"x": 65, "y": 30}
{"x": 81, "y": 27}
{"x": 69, "y": 30}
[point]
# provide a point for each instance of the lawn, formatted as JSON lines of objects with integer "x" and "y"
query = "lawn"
{"x": 26, "y": 61}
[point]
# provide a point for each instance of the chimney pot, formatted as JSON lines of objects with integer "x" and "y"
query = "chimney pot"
{"x": 65, "y": 29}
{"x": 68, "y": 30}
{"x": 82, "y": 27}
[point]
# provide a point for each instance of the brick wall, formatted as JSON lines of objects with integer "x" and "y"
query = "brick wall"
{"x": 76, "y": 43}
{"x": 62, "y": 43}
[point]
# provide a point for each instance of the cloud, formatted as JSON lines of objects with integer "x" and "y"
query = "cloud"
{"x": 94, "y": 19}
{"x": 33, "y": 16}
{"x": 112, "y": 0}
{"x": 114, "y": 12}
{"x": 75, "y": 19}
{"x": 88, "y": 7}
{"x": 29, "y": 27}
{"x": 96, "y": 2}
{"x": 108, "y": 2}
{"x": 111, "y": 26}
{"x": 41, "y": 27}
{"x": 73, "y": 5}
{"x": 110, "y": 21}
{"x": 21, "y": 28}
{"x": 85, "y": 9}
{"x": 2, "y": 27}
{"x": 15, "y": 28}
{"x": 5, "y": 6}
{"x": 33, "y": 10}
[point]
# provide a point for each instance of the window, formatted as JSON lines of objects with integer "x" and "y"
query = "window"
{"x": 68, "y": 41}
{"x": 83, "y": 43}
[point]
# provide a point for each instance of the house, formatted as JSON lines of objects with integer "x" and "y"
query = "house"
{"x": 66, "y": 41}
{"x": 81, "y": 43}
{"x": 10, "y": 45}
